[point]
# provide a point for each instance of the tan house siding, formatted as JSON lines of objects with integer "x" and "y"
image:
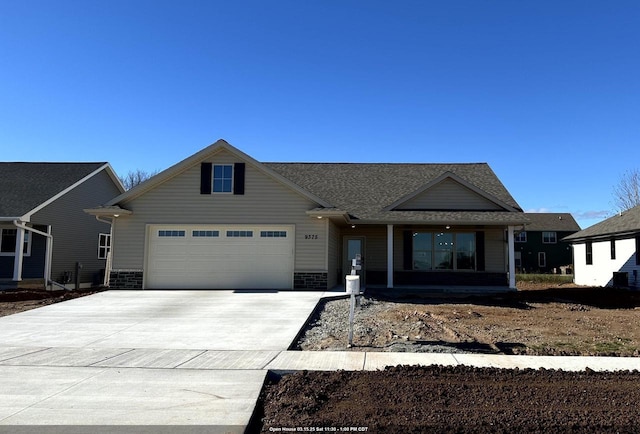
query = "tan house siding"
{"x": 71, "y": 225}
{"x": 334, "y": 254}
{"x": 266, "y": 201}
{"x": 495, "y": 248}
{"x": 449, "y": 195}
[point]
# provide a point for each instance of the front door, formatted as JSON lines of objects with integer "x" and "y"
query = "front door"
{"x": 354, "y": 246}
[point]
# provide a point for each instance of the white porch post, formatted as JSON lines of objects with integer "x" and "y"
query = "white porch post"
{"x": 47, "y": 257}
{"x": 19, "y": 252}
{"x": 389, "y": 256}
{"x": 511, "y": 255}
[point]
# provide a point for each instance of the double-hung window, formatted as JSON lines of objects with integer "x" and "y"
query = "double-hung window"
{"x": 104, "y": 245}
{"x": 222, "y": 178}
{"x": 8, "y": 239}
{"x": 521, "y": 237}
{"x": 549, "y": 238}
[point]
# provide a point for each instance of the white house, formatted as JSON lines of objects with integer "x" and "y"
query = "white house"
{"x": 606, "y": 254}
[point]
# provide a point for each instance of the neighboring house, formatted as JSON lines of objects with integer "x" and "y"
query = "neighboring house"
{"x": 539, "y": 248}
{"x": 220, "y": 219}
{"x": 607, "y": 253}
{"x": 44, "y": 232}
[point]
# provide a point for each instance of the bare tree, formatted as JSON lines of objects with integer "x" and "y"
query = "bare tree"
{"x": 135, "y": 177}
{"x": 626, "y": 194}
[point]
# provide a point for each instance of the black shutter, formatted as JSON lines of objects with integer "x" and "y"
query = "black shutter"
{"x": 238, "y": 178}
{"x": 407, "y": 250}
{"x": 205, "y": 178}
{"x": 480, "y": 251}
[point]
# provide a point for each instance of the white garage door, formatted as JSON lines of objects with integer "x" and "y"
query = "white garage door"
{"x": 220, "y": 257}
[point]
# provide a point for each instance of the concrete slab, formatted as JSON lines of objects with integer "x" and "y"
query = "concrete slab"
{"x": 65, "y": 357}
{"x": 137, "y": 397}
{"x": 150, "y": 358}
{"x": 230, "y": 360}
{"x": 565, "y": 363}
{"x": 11, "y": 352}
{"x": 317, "y": 361}
{"x": 375, "y": 361}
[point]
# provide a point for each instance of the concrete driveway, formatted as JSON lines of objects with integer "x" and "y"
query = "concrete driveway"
{"x": 136, "y": 358}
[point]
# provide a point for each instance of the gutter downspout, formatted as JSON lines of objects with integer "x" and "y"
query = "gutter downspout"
{"x": 48, "y": 248}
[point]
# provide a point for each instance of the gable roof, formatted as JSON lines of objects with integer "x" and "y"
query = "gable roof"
{"x": 199, "y": 157}
{"x": 551, "y": 221}
{"x": 367, "y": 191}
{"x": 24, "y": 187}
{"x": 624, "y": 224}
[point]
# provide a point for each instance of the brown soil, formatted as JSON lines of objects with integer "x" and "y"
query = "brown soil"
{"x": 459, "y": 399}
{"x": 536, "y": 320}
{"x": 20, "y": 300}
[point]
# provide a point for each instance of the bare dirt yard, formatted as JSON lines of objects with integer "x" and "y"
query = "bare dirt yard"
{"x": 539, "y": 319}
{"x": 460, "y": 399}
{"x": 19, "y": 300}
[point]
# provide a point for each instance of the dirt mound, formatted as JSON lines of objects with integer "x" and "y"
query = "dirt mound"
{"x": 452, "y": 400}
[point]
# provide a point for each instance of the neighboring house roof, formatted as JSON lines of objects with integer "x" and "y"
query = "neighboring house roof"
{"x": 368, "y": 190}
{"x": 561, "y": 222}
{"x": 624, "y": 224}
{"x": 24, "y": 187}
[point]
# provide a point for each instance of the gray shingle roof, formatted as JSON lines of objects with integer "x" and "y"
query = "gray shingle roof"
{"x": 625, "y": 224}
{"x": 24, "y": 186}
{"x": 365, "y": 189}
{"x": 561, "y": 222}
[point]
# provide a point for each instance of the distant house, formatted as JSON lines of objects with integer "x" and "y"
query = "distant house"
{"x": 607, "y": 253}
{"x": 222, "y": 220}
{"x": 44, "y": 233}
{"x": 539, "y": 249}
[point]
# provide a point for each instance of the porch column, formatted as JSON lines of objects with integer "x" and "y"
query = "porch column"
{"x": 19, "y": 252}
{"x": 48, "y": 256}
{"x": 512, "y": 256}
{"x": 389, "y": 256}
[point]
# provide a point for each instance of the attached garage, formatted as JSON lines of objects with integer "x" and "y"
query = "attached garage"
{"x": 220, "y": 257}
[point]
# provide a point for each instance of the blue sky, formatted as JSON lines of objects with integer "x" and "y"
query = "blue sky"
{"x": 546, "y": 92}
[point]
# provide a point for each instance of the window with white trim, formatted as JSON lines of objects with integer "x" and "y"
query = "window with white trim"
{"x": 549, "y": 238}
{"x": 166, "y": 233}
{"x": 104, "y": 245}
{"x": 8, "y": 238}
{"x": 223, "y": 178}
{"x": 520, "y": 237}
{"x": 239, "y": 234}
{"x": 273, "y": 234}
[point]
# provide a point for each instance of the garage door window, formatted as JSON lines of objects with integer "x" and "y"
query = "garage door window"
{"x": 273, "y": 234}
{"x": 171, "y": 233}
{"x": 206, "y": 234}
{"x": 239, "y": 234}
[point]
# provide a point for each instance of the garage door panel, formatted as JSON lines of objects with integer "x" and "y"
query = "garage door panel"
{"x": 205, "y": 257}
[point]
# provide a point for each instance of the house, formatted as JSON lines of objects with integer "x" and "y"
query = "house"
{"x": 539, "y": 249}
{"x": 221, "y": 219}
{"x": 44, "y": 233}
{"x": 606, "y": 254}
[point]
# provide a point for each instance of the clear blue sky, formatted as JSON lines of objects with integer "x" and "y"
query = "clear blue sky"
{"x": 546, "y": 92}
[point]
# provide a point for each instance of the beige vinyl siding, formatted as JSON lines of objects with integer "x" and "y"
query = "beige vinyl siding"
{"x": 178, "y": 200}
{"x": 449, "y": 195}
{"x": 495, "y": 250}
{"x": 75, "y": 233}
{"x": 334, "y": 255}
